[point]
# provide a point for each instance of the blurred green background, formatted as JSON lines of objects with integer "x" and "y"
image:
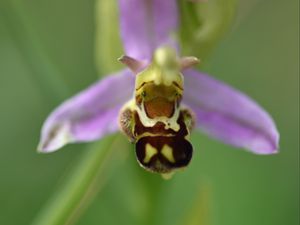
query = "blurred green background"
{"x": 47, "y": 55}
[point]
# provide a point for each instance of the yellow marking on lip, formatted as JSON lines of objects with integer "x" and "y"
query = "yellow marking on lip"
{"x": 167, "y": 151}
{"x": 150, "y": 151}
{"x": 148, "y": 134}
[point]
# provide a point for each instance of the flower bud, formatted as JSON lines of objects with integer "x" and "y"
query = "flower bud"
{"x": 203, "y": 24}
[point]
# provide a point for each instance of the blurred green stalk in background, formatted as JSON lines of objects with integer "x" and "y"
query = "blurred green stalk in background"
{"x": 80, "y": 187}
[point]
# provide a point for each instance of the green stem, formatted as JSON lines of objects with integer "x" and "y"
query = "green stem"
{"x": 199, "y": 213}
{"x": 108, "y": 45}
{"x": 68, "y": 202}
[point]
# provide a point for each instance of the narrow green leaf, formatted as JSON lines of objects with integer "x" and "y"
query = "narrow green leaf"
{"x": 69, "y": 202}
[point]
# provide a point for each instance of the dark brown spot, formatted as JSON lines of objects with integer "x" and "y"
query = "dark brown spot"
{"x": 141, "y": 85}
{"x": 177, "y": 85}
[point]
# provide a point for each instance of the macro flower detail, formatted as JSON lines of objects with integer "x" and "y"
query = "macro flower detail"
{"x": 154, "y": 119}
{"x": 159, "y": 99}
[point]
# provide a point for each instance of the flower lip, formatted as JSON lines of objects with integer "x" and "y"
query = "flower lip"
{"x": 163, "y": 154}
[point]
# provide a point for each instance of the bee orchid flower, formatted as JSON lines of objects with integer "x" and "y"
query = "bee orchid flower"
{"x": 207, "y": 104}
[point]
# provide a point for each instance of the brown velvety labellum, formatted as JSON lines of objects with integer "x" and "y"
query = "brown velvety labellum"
{"x": 163, "y": 154}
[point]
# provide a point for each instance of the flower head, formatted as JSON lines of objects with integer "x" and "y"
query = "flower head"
{"x": 153, "y": 87}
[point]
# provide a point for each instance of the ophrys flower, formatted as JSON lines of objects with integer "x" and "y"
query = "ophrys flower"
{"x": 221, "y": 111}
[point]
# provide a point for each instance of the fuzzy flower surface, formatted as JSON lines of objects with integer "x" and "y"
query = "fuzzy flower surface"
{"x": 221, "y": 111}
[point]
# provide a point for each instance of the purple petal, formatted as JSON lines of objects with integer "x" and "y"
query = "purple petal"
{"x": 89, "y": 115}
{"x": 229, "y": 115}
{"x": 146, "y": 25}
